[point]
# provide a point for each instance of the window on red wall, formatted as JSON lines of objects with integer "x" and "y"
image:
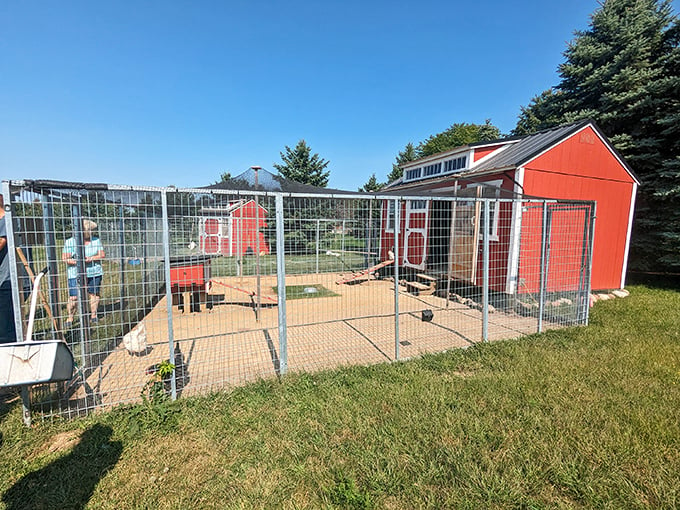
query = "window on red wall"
{"x": 491, "y": 189}
{"x": 389, "y": 227}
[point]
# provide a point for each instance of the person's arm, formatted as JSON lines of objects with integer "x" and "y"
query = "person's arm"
{"x": 68, "y": 256}
{"x": 3, "y": 243}
{"x": 100, "y": 255}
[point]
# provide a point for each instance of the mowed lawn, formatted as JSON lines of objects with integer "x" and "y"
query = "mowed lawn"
{"x": 587, "y": 417}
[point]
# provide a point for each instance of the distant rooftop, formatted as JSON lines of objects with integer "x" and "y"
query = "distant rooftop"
{"x": 267, "y": 181}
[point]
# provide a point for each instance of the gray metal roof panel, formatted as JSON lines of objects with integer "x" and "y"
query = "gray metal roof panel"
{"x": 528, "y": 147}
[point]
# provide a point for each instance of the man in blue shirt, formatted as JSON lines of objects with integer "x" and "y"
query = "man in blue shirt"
{"x": 7, "y": 329}
{"x": 94, "y": 254}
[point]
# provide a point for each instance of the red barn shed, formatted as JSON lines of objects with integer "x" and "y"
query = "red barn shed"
{"x": 571, "y": 162}
{"x": 232, "y": 230}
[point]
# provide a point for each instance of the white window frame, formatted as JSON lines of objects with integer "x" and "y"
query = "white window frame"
{"x": 391, "y": 216}
{"x": 495, "y": 212}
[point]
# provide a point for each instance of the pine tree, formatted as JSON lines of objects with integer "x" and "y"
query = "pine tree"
{"x": 623, "y": 72}
{"x": 224, "y": 177}
{"x": 301, "y": 166}
{"x": 408, "y": 154}
{"x": 371, "y": 185}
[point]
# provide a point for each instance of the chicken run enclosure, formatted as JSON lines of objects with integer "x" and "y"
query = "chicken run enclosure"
{"x": 305, "y": 281}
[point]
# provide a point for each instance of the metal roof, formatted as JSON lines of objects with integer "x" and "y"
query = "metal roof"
{"x": 517, "y": 151}
{"x": 267, "y": 181}
{"x": 527, "y": 148}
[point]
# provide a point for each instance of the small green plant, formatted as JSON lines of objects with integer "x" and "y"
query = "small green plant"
{"x": 154, "y": 390}
{"x": 346, "y": 494}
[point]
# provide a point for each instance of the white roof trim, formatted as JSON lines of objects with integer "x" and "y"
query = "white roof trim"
{"x": 488, "y": 156}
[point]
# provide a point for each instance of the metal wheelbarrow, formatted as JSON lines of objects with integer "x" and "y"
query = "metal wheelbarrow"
{"x": 35, "y": 362}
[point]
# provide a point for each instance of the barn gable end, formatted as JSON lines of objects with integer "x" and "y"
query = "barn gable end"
{"x": 583, "y": 154}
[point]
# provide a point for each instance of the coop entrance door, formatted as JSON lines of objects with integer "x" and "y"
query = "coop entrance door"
{"x": 212, "y": 238}
{"x": 465, "y": 239}
{"x": 415, "y": 234}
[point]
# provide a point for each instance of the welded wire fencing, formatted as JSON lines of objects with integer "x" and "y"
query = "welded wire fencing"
{"x": 233, "y": 286}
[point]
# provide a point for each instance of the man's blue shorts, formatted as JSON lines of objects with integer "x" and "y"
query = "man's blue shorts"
{"x": 93, "y": 286}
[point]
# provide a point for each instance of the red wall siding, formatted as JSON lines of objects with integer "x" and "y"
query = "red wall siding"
{"x": 582, "y": 168}
{"x": 249, "y": 232}
{"x": 387, "y": 238}
{"x": 480, "y": 153}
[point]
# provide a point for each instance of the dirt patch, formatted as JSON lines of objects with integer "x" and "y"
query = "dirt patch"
{"x": 60, "y": 442}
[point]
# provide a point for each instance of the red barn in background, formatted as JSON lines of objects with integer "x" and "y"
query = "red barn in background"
{"x": 233, "y": 230}
{"x": 571, "y": 162}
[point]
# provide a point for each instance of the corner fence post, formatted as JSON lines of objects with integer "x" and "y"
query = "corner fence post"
{"x": 543, "y": 266}
{"x": 281, "y": 285}
{"x": 485, "y": 281}
{"x": 168, "y": 290}
{"x": 397, "y": 226}
{"x": 589, "y": 269}
{"x": 16, "y": 301}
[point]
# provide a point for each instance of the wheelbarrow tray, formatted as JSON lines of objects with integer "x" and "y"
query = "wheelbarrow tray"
{"x": 35, "y": 362}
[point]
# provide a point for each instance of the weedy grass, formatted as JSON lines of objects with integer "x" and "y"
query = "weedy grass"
{"x": 582, "y": 417}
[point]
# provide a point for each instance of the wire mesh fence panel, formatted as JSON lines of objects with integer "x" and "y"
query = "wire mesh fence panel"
{"x": 164, "y": 292}
{"x": 331, "y": 291}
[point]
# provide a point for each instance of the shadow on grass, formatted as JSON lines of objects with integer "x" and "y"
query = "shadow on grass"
{"x": 69, "y": 481}
{"x": 9, "y": 398}
{"x": 666, "y": 281}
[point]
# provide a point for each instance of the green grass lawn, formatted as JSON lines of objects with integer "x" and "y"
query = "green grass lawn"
{"x": 311, "y": 291}
{"x": 579, "y": 418}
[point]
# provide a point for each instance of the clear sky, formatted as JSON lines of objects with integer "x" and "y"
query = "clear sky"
{"x": 176, "y": 92}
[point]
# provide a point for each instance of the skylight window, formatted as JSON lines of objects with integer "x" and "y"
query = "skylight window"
{"x": 453, "y": 165}
{"x": 412, "y": 174}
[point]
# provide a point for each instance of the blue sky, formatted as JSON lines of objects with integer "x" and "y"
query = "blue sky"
{"x": 176, "y": 92}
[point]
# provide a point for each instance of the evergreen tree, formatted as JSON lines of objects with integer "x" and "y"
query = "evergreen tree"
{"x": 371, "y": 185}
{"x": 623, "y": 72}
{"x": 301, "y": 166}
{"x": 539, "y": 114}
{"x": 457, "y": 135}
{"x": 224, "y": 177}
{"x": 408, "y": 154}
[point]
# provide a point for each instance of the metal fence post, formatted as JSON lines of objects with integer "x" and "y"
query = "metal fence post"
{"x": 318, "y": 228}
{"x": 168, "y": 290}
{"x": 281, "y": 285}
{"x": 342, "y": 237}
{"x": 543, "y": 267}
{"x": 485, "y": 281}
{"x": 76, "y": 215}
{"x": 16, "y": 300}
{"x": 396, "y": 276}
{"x": 122, "y": 262}
{"x": 51, "y": 253}
{"x": 257, "y": 255}
{"x": 589, "y": 279}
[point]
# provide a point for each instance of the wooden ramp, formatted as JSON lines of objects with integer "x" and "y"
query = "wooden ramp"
{"x": 366, "y": 273}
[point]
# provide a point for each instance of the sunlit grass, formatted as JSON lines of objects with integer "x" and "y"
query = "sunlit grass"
{"x": 584, "y": 417}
